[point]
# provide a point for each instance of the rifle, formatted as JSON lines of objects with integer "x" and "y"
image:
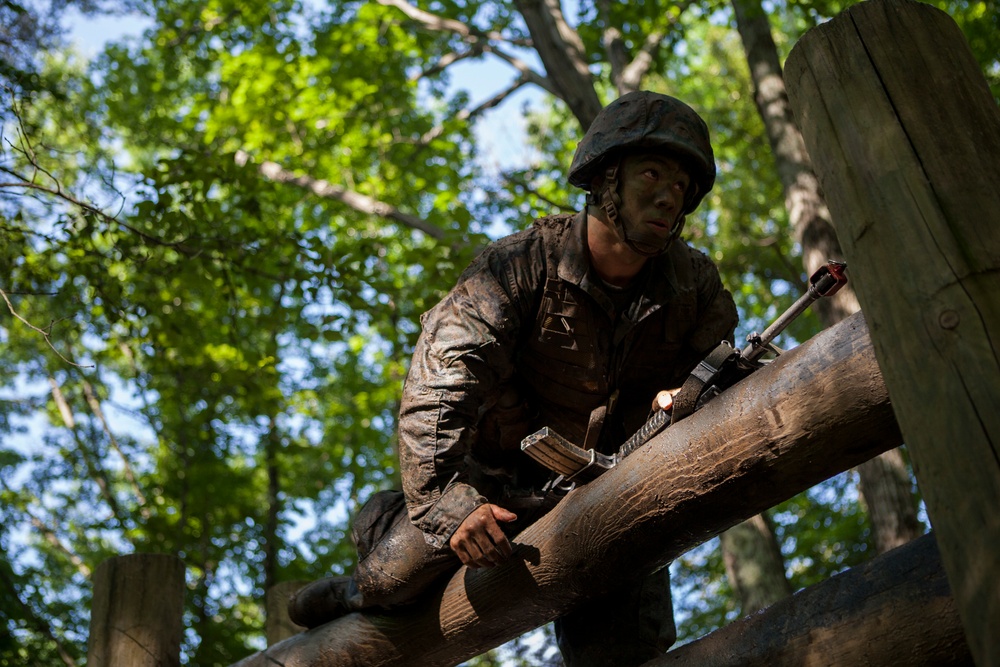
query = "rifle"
{"x": 722, "y": 368}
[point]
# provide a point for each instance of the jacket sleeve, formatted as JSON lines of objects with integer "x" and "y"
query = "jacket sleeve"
{"x": 464, "y": 353}
{"x": 717, "y": 315}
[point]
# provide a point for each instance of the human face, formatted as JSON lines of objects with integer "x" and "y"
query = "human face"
{"x": 652, "y": 188}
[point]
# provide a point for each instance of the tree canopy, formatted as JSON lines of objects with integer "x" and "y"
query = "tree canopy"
{"x": 219, "y": 236}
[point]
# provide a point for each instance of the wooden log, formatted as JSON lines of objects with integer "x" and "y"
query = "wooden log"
{"x": 905, "y": 136}
{"x": 278, "y": 625}
{"x": 896, "y": 609}
{"x": 136, "y": 615}
{"x": 815, "y": 412}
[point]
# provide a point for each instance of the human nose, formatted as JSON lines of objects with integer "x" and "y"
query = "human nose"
{"x": 669, "y": 197}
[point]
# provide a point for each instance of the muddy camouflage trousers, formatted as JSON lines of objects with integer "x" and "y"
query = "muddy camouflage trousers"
{"x": 396, "y": 565}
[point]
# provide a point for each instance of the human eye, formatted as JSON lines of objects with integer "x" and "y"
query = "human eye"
{"x": 682, "y": 182}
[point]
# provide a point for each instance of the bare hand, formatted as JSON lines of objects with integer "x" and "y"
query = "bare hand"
{"x": 665, "y": 399}
{"x": 479, "y": 541}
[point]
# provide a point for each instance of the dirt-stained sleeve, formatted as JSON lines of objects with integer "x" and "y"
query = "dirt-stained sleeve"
{"x": 717, "y": 316}
{"x": 464, "y": 352}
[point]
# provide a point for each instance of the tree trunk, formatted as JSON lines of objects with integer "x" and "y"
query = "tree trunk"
{"x": 892, "y": 508}
{"x": 816, "y": 411}
{"x": 272, "y": 447}
{"x": 807, "y": 209}
{"x": 754, "y": 564}
{"x": 897, "y": 112}
{"x": 561, "y": 51}
{"x": 277, "y": 624}
{"x": 136, "y": 616}
{"x": 896, "y": 609}
{"x": 893, "y": 518}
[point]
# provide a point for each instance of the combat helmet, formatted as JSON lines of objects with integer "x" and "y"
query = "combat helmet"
{"x": 643, "y": 120}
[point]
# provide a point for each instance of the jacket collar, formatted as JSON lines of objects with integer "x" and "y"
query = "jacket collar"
{"x": 659, "y": 280}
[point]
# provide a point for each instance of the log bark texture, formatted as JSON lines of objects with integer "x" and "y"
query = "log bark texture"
{"x": 136, "y": 615}
{"x": 815, "y": 412}
{"x": 905, "y": 135}
{"x": 896, "y": 609}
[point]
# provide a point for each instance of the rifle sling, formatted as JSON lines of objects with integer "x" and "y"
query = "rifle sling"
{"x": 702, "y": 375}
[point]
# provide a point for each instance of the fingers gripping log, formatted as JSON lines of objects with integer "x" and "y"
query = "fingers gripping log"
{"x": 815, "y": 412}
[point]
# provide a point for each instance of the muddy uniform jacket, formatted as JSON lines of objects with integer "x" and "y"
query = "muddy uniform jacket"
{"x": 529, "y": 337}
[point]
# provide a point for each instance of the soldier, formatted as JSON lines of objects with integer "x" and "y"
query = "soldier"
{"x": 574, "y": 323}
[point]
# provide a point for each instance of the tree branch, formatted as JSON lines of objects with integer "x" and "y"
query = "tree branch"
{"x": 530, "y": 75}
{"x": 478, "y": 41}
{"x": 632, "y": 75}
{"x": 58, "y": 192}
{"x": 40, "y": 624}
{"x": 496, "y": 99}
{"x": 627, "y": 75}
{"x": 562, "y": 52}
{"x": 355, "y": 200}
{"x": 526, "y": 186}
{"x": 53, "y": 539}
{"x": 46, "y": 333}
{"x": 94, "y": 469}
{"x": 468, "y": 114}
{"x": 95, "y": 407}
{"x": 447, "y": 60}
{"x": 440, "y": 24}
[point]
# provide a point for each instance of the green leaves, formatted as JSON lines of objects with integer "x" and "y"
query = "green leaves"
{"x": 232, "y": 223}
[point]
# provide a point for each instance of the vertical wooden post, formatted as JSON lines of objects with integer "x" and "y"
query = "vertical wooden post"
{"x": 136, "y": 616}
{"x": 278, "y": 625}
{"x": 905, "y": 137}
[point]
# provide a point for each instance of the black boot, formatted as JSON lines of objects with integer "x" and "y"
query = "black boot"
{"x": 324, "y": 601}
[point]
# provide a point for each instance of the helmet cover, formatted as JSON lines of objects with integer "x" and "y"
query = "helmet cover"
{"x": 646, "y": 121}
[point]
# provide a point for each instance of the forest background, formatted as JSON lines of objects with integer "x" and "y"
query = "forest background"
{"x": 218, "y": 236}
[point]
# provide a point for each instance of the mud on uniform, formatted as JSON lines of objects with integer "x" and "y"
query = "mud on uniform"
{"x": 531, "y": 337}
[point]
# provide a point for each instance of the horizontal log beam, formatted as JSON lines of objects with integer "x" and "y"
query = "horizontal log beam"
{"x": 818, "y": 410}
{"x": 896, "y": 609}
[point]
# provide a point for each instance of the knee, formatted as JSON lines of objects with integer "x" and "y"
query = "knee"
{"x": 400, "y": 567}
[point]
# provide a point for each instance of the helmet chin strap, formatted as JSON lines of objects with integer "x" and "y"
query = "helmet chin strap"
{"x": 610, "y": 200}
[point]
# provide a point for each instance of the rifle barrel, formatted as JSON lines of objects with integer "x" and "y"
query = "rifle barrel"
{"x": 825, "y": 282}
